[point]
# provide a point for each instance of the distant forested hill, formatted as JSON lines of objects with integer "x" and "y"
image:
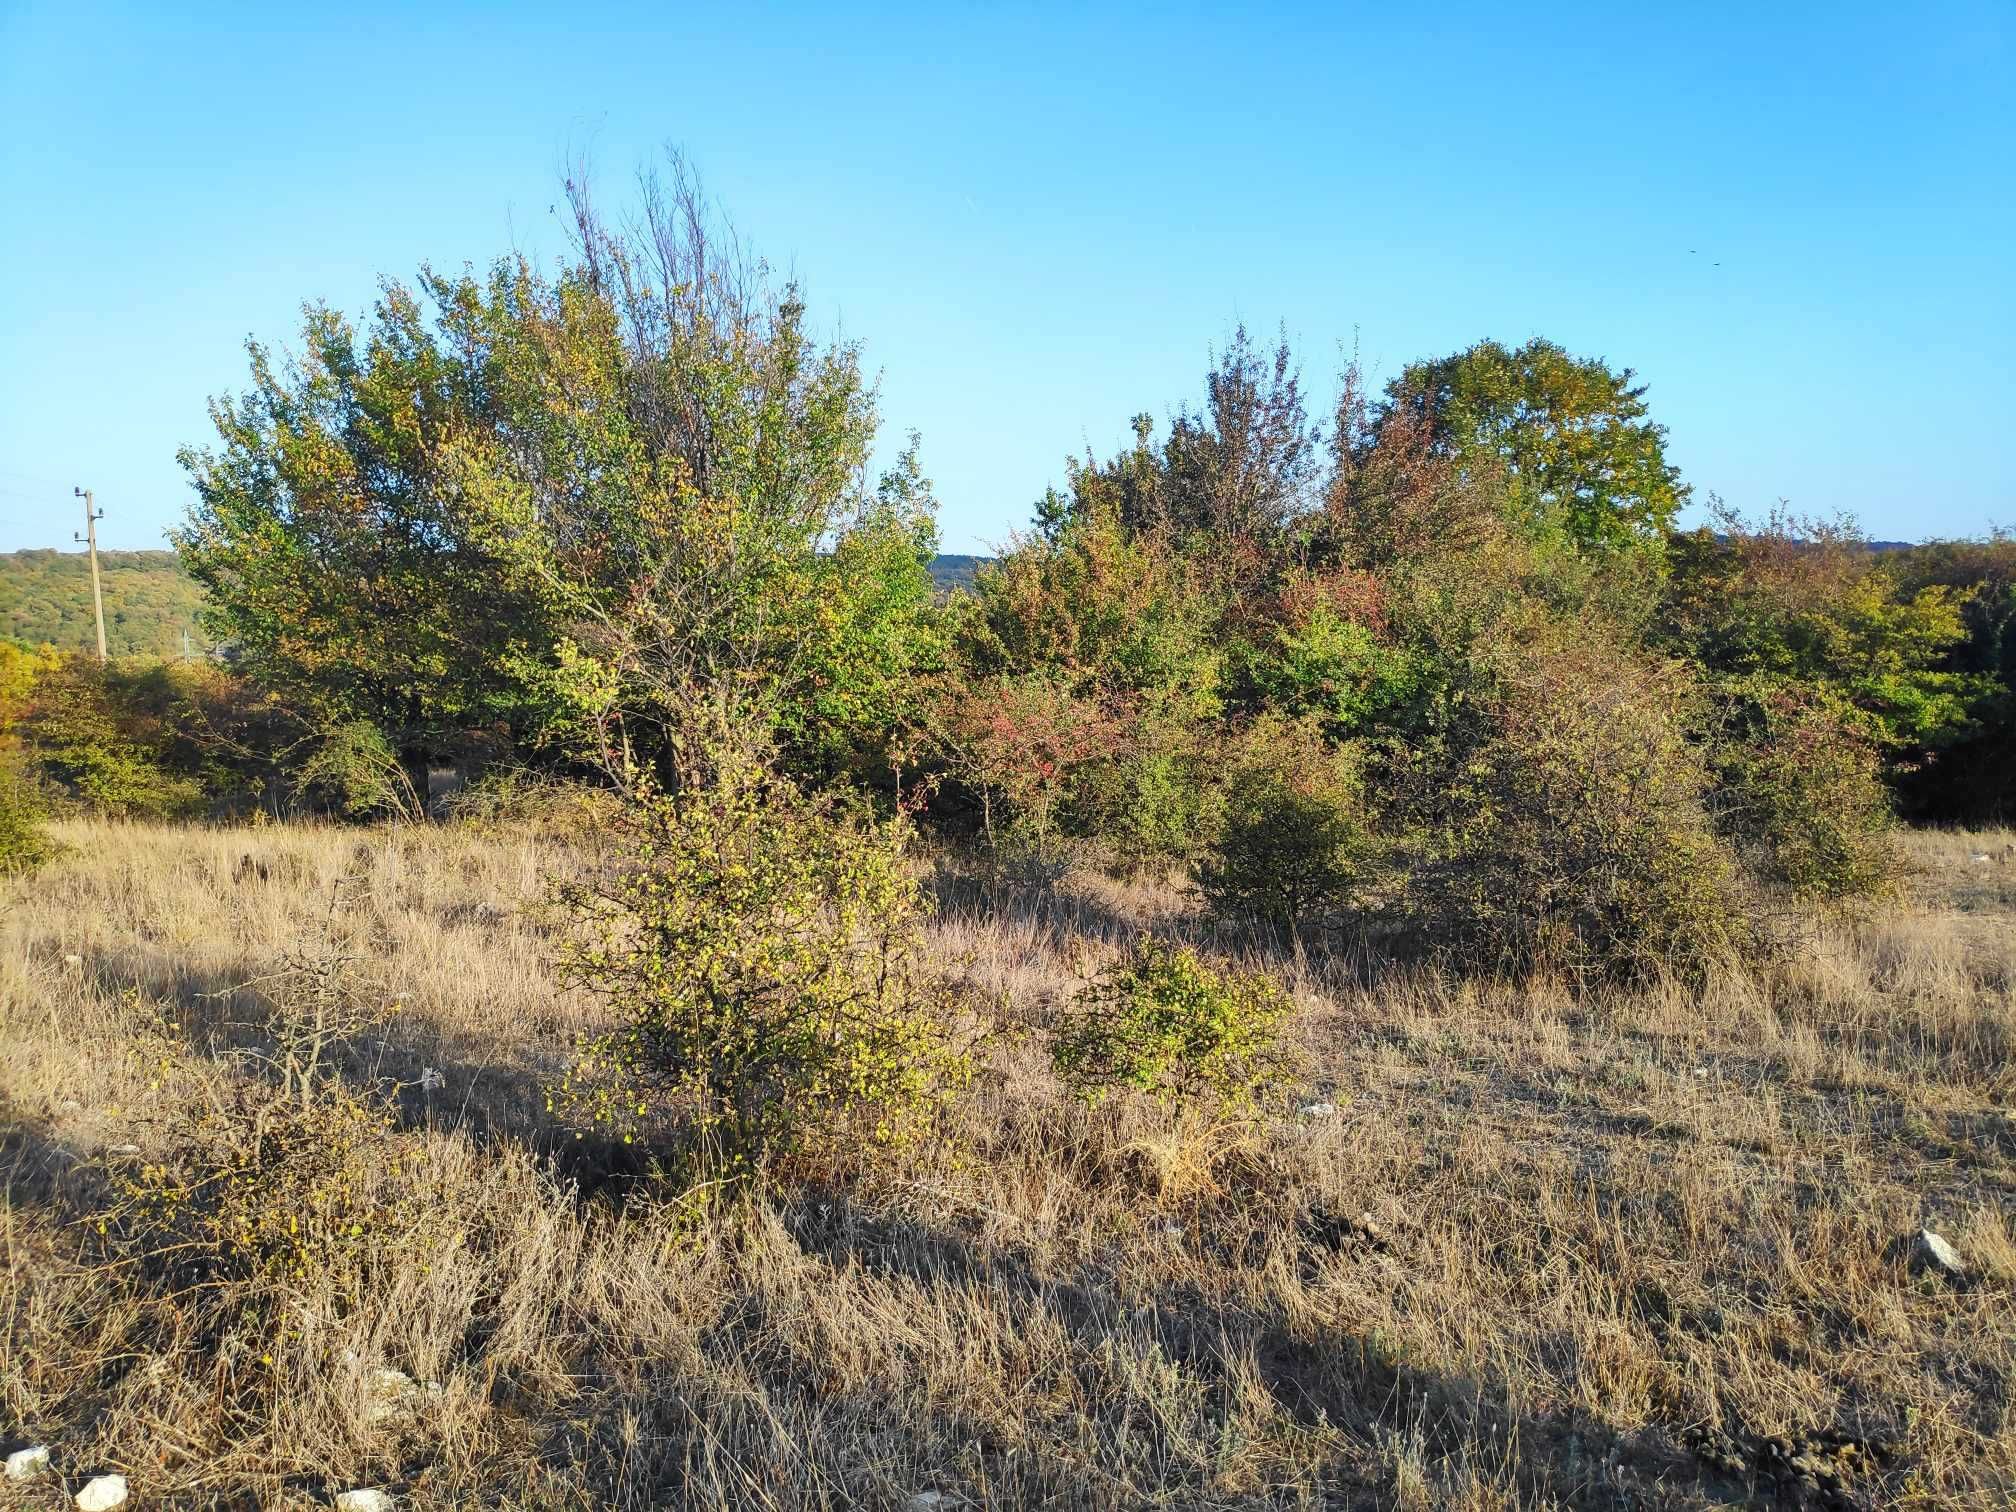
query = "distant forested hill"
{"x": 956, "y": 571}
{"x": 45, "y": 596}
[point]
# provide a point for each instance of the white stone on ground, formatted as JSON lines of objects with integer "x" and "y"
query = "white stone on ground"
{"x": 364, "y": 1499}
{"x": 1934, "y": 1253}
{"x": 26, "y": 1464}
{"x": 101, "y": 1493}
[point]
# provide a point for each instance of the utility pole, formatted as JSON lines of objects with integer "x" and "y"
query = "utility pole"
{"x": 91, "y": 519}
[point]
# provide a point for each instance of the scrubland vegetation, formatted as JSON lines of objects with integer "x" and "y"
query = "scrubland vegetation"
{"x": 1542, "y": 1248}
{"x": 1355, "y": 964}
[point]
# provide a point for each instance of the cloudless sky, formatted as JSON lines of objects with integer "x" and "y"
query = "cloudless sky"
{"x": 1797, "y": 223}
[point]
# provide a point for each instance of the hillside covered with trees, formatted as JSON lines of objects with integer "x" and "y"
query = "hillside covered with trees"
{"x": 151, "y": 602}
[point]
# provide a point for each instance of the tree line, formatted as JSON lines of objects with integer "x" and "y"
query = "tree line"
{"x": 1437, "y": 661}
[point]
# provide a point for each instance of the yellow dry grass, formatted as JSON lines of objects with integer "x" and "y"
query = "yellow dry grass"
{"x": 1638, "y": 1250}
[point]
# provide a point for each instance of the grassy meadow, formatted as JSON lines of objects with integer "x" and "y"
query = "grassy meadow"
{"x": 1493, "y": 1247}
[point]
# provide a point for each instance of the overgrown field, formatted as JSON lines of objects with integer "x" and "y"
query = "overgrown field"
{"x": 1490, "y": 1247}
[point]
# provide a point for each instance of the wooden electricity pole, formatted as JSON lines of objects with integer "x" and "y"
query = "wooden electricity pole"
{"x": 91, "y": 519}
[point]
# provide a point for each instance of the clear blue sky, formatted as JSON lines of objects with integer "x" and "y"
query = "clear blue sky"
{"x": 1038, "y": 220}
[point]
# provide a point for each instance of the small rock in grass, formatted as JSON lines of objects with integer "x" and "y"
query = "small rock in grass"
{"x": 364, "y": 1499}
{"x": 73, "y": 960}
{"x": 1930, "y": 1252}
{"x": 925, "y": 1501}
{"x": 1979, "y": 858}
{"x": 1318, "y": 1109}
{"x": 393, "y": 1392}
{"x": 101, "y": 1493}
{"x": 26, "y": 1464}
{"x": 390, "y": 1392}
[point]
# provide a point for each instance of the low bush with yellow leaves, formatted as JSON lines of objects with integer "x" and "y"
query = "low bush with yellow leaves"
{"x": 1164, "y": 1022}
{"x": 762, "y": 950}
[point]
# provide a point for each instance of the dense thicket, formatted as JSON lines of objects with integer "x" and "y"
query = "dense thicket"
{"x": 1435, "y": 666}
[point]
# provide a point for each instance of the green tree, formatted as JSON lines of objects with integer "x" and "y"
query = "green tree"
{"x": 472, "y": 523}
{"x": 1572, "y": 434}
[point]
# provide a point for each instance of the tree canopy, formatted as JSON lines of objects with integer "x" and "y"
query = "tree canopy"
{"x": 1573, "y": 435}
{"x": 508, "y": 495}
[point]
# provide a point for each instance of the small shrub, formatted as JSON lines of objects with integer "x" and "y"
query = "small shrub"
{"x": 23, "y": 846}
{"x": 284, "y": 1172}
{"x": 1800, "y": 792}
{"x": 355, "y": 772}
{"x": 763, "y": 953}
{"x": 1165, "y": 1023}
{"x": 1019, "y": 743}
{"x": 1153, "y": 803}
{"x": 1320, "y": 650}
{"x": 1293, "y": 845}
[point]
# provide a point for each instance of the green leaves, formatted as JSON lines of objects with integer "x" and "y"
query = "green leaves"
{"x": 1572, "y": 435}
{"x": 1164, "y": 1023}
{"x": 644, "y": 456}
{"x": 762, "y": 950}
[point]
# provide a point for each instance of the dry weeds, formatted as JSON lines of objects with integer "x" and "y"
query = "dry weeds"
{"x": 1631, "y": 1251}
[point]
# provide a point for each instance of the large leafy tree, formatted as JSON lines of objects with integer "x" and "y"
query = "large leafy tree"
{"x": 1572, "y": 434}
{"x": 531, "y": 508}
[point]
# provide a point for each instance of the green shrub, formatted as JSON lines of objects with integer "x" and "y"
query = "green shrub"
{"x": 1151, "y": 802}
{"x": 100, "y": 739}
{"x": 355, "y": 772}
{"x": 1568, "y": 827}
{"x": 763, "y": 953}
{"x": 1165, "y": 1023}
{"x": 1320, "y": 650}
{"x": 23, "y": 846}
{"x": 1293, "y": 844}
{"x": 1800, "y": 791}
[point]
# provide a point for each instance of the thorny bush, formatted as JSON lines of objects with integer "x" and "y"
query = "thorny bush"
{"x": 286, "y": 1171}
{"x": 762, "y": 951}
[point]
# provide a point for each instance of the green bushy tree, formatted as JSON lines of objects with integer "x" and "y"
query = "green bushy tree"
{"x": 510, "y": 494}
{"x": 1294, "y": 843}
{"x": 1572, "y": 435}
{"x": 1807, "y": 601}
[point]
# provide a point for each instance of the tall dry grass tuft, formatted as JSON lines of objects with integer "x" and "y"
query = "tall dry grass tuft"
{"x": 1498, "y": 1246}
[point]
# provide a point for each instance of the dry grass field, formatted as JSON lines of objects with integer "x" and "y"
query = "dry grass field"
{"x": 1502, "y": 1248}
